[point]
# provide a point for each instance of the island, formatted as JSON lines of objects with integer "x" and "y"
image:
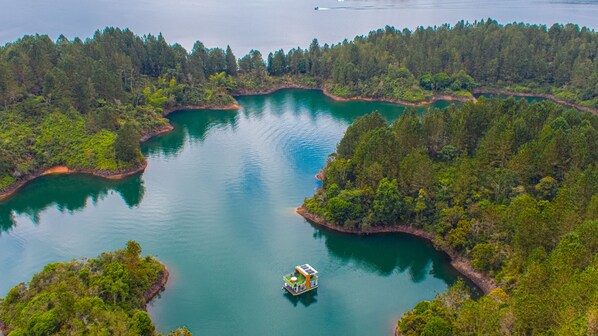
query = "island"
{"x": 107, "y": 295}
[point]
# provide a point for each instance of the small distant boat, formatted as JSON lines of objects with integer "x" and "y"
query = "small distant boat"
{"x": 316, "y": 8}
{"x": 303, "y": 280}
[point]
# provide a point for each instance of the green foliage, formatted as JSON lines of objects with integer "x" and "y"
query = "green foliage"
{"x": 388, "y": 203}
{"x": 116, "y": 77}
{"x": 180, "y": 332}
{"x": 459, "y": 238}
{"x": 97, "y": 296}
{"x": 479, "y": 181}
{"x": 435, "y": 317}
{"x": 126, "y": 145}
{"x": 501, "y": 177}
{"x": 141, "y": 324}
{"x": 231, "y": 62}
{"x": 412, "y": 65}
{"x": 484, "y": 257}
{"x": 339, "y": 172}
{"x": 347, "y": 207}
{"x": 436, "y": 326}
{"x": 547, "y": 188}
{"x": 417, "y": 172}
{"x": 63, "y": 103}
{"x": 357, "y": 130}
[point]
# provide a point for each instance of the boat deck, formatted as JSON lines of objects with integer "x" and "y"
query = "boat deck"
{"x": 303, "y": 280}
{"x": 295, "y": 293}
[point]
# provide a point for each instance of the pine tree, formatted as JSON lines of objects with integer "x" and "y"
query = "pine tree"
{"x": 231, "y": 62}
{"x": 126, "y": 145}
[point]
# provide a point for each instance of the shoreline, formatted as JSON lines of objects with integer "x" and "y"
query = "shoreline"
{"x": 435, "y": 98}
{"x": 158, "y": 287}
{"x": 113, "y": 175}
{"x": 231, "y": 106}
{"x": 108, "y": 174}
{"x": 461, "y": 264}
{"x": 64, "y": 170}
{"x": 432, "y": 100}
{"x": 539, "y": 95}
{"x": 274, "y": 88}
{"x": 278, "y": 87}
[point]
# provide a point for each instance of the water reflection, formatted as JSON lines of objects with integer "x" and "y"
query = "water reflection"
{"x": 533, "y": 99}
{"x": 393, "y": 253}
{"x": 284, "y": 110}
{"x": 219, "y": 212}
{"x": 189, "y": 125}
{"x": 306, "y": 299}
{"x": 68, "y": 194}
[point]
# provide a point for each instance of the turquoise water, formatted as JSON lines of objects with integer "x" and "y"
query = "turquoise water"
{"x": 216, "y": 205}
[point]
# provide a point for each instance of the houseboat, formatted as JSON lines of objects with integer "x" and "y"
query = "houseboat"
{"x": 303, "y": 280}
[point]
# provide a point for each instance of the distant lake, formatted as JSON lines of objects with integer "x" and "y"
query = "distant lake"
{"x": 268, "y": 25}
{"x": 216, "y": 205}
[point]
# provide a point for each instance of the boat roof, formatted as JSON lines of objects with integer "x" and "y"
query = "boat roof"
{"x": 306, "y": 269}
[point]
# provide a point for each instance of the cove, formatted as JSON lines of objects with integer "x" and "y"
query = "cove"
{"x": 216, "y": 205}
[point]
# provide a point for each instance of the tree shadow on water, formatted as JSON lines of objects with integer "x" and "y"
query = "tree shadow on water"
{"x": 387, "y": 254}
{"x": 189, "y": 125}
{"x": 68, "y": 194}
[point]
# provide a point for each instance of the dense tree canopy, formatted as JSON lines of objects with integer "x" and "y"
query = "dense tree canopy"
{"x": 101, "y": 296}
{"x": 84, "y": 104}
{"x": 64, "y": 102}
{"x": 510, "y": 185}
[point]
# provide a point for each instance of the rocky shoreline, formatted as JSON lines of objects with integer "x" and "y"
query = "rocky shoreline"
{"x": 106, "y": 174}
{"x": 231, "y": 106}
{"x": 435, "y": 98}
{"x": 165, "y": 129}
{"x": 541, "y": 95}
{"x": 157, "y": 287}
{"x": 110, "y": 174}
{"x": 151, "y": 293}
{"x": 274, "y": 88}
{"x": 462, "y": 265}
{"x": 278, "y": 87}
{"x": 10, "y": 190}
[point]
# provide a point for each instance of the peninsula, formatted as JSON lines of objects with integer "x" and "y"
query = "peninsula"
{"x": 507, "y": 189}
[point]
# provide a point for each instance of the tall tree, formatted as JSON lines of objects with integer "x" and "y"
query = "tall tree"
{"x": 231, "y": 62}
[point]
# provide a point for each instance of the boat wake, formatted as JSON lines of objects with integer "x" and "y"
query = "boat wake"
{"x": 423, "y": 4}
{"x": 355, "y": 8}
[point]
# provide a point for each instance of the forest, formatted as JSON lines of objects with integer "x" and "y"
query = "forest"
{"x": 85, "y": 103}
{"x": 99, "y": 296}
{"x": 511, "y": 186}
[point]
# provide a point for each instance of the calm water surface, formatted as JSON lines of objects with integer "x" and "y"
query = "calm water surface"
{"x": 269, "y": 25}
{"x": 216, "y": 205}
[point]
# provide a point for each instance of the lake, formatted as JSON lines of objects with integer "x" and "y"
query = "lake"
{"x": 216, "y": 205}
{"x": 268, "y": 25}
